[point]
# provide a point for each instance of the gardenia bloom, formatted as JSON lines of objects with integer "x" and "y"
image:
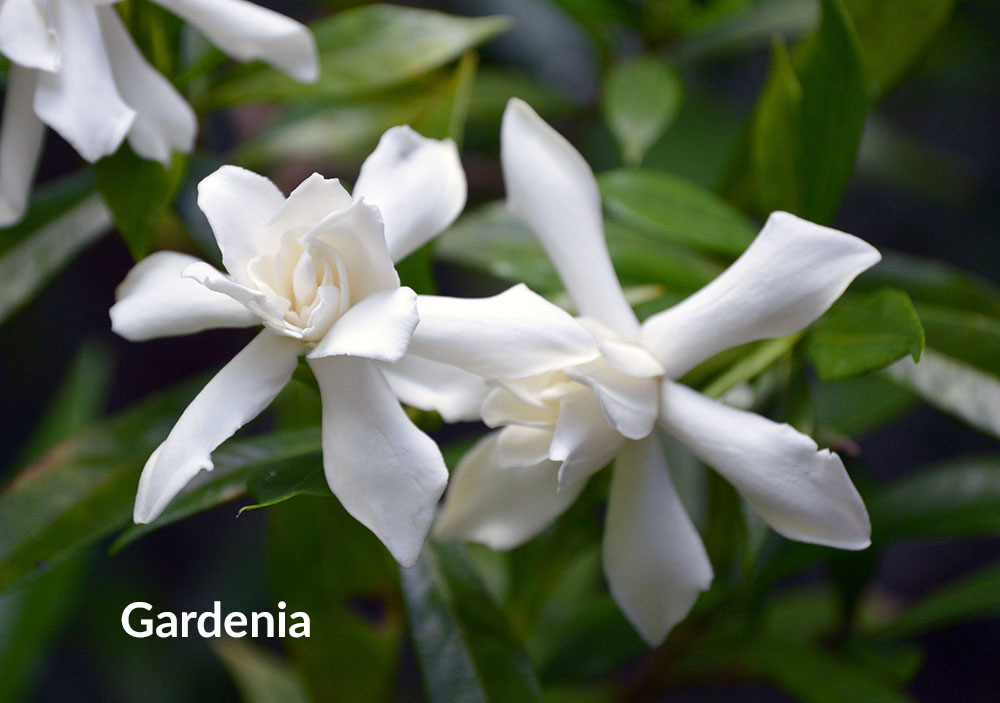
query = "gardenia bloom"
{"x": 75, "y": 68}
{"x": 561, "y": 427}
{"x": 316, "y": 270}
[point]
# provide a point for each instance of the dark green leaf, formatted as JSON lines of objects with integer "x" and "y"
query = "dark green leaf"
{"x": 641, "y": 98}
{"x": 324, "y": 562}
{"x": 894, "y": 35}
{"x": 55, "y": 231}
{"x": 260, "y": 675}
{"x": 137, "y": 190}
{"x": 807, "y": 124}
{"x": 676, "y": 210}
{"x": 858, "y": 406}
{"x": 365, "y": 50}
{"x": 465, "y": 647}
{"x": 957, "y": 498}
{"x": 860, "y": 335}
{"x": 305, "y": 478}
{"x": 965, "y": 336}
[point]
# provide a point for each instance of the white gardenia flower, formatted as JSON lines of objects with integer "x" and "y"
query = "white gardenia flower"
{"x": 560, "y": 427}
{"x": 75, "y": 68}
{"x": 316, "y": 269}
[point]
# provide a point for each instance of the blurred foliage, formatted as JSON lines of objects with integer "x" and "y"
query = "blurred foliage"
{"x": 687, "y": 168}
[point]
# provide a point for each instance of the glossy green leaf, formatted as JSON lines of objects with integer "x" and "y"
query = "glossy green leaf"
{"x": 807, "y": 125}
{"x": 954, "y": 387}
{"x": 260, "y": 675}
{"x": 895, "y": 35}
{"x": 676, "y": 210}
{"x": 956, "y": 498}
{"x": 857, "y": 406}
{"x": 972, "y": 597}
{"x": 238, "y": 464}
{"x": 324, "y": 562}
{"x": 136, "y": 191}
{"x": 304, "y": 478}
{"x": 970, "y": 337}
{"x": 860, "y": 335}
{"x": 464, "y": 645}
{"x": 641, "y": 98}
{"x": 54, "y": 232}
{"x": 365, "y": 50}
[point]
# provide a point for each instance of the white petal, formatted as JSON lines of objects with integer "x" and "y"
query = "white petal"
{"x": 502, "y": 407}
{"x": 247, "y": 31}
{"x": 583, "y": 441}
{"x": 552, "y": 188}
{"x": 387, "y": 473}
{"x": 500, "y": 507}
{"x": 512, "y": 335}
{"x": 357, "y": 234}
{"x": 237, "y": 394}
{"x": 379, "y": 327}
{"x": 788, "y": 277}
{"x": 654, "y": 560}
{"x": 164, "y": 121}
{"x": 26, "y": 37}
{"x": 418, "y": 185}
{"x": 155, "y": 300}
{"x": 802, "y": 492}
{"x": 314, "y": 199}
{"x": 428, "y": 385}
{"x": 80, "y": 100}
{"x": 523, "y": 446}
{"x": 21, "y": 138}
{"x": 630, "y": 403}
{"x": 238, "y": 204}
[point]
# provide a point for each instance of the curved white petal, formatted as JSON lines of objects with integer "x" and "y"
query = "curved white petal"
{"x": 801, "y": 491}
{"x": 236, "y": 395}
{"x": 511, "y": 335}
{"x": 80, "y": 100}
{"x": 501, "y": 507}
{"x": 379, "y": 327}
{"x": 418, "y": 185}
{"x": 523, "y": 446}
{"x": 552, "y": 188}
{"x": 26, "y": 37}
{"x": 791, "y": 273}
{"x": 21, "y": 137}
{"x": 247, "y": 31}
{"x": 253, "y": 300}
{"x": 502, "y": 407}
{"x": 629, "y": 403}
{"x": 164, "y": 122}
{"x": 654, "y": 559}
{"x": 155, "y": 300}
{"x": 387, "y": 473}
{"x": 448, "y": 390}
{"x": 307, "y": 205}
{"x": 358, "y": 236}
{"x": 238, "y": 204}
{"x": 583, "y": 441}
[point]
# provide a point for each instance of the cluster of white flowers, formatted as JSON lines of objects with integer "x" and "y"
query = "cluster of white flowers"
{"x": 316, "y": 271}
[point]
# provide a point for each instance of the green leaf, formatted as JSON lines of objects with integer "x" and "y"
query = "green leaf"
{"x": 464, "y": 645}
{"x": 137, "y": 190}
{"x": 676, "y": 210}
{"x": 954, "y": 499}
{"x": 283, "y": 483}
{"x": 858, "y": 406}
{"x": 895, "y": 35}
{"x": 965, "y": 336}
{"x": 48, "y": 239}
{"x": 641, "y": 99}
{"x": 363, "y": 51}
{"x": 973, "y": 597}
{"x": 860, "y": 335}
{"x": 237, "y": 465}
{"x": 260, "y": 675}
{"x": 807, "y": 124}
{"x": 954, "y": 387}
{"x": 324, "y": 562}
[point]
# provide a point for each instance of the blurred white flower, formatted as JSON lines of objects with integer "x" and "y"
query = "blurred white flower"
{"x": 75, "y": 68}
{"x": 316, "y": 269}
{"x": 561, "y": 427}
